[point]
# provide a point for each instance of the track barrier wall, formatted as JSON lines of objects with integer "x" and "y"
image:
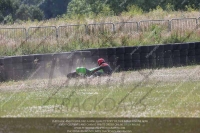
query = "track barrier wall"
{"x": 40, "y": 65}
{"x": 149, "y": 57}
{"x": 119, "y": 58}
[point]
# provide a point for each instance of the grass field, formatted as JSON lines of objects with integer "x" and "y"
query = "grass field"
{"x": 170, "y": 92}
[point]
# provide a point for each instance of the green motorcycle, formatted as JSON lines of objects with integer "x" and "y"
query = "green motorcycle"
{"x": 82, "y": 72}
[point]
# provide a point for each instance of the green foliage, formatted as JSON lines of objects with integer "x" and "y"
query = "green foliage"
{"x": 133, "y": 10}
{"x": 6, "y": 7}
{"x": 23, "y": 13}
{"x": 36, "y": 13}
{"x": 89, "y": 8}
{"x": 78, "y": 7}
{"x": 106, "y": 11}
{"x": 158, "y": 9}
{"x": 177, "y": 37}
{"x": 31, "y": 2}
{"x": 85, "y": 7}
{"x": 147, "y": 5}
{"x": 118, "y": 6}
{"x": 156, "y": 33}
{"x": 53, "y": 8}
{"x": 12, "y": 10}
{"x": 190, "y": 8}
{"x": 169, "y": 7}
{"x": 8, "y": 19}
{"x": 26, "y": 12}
{"x": 129, "y": 6}
{"x": 1, "y": 17}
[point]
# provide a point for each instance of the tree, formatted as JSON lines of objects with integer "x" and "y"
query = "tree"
{"x": 8, "y": 19}
{"x": 10, "y": 10}
{"x": 36, "y": 13}
{"x": 53, "y": 8}
{"x": 87, "y": 6}
{"x": 32, "y": 2}
{"x": 6, "y": 7}
{"x": 1, "y": 17}
{"x": 119, "y": 6}
{"x": 23, "y": 13}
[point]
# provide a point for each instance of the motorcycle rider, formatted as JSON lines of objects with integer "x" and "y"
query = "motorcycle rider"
{"x": 102, "y": 70}
{"x": 106, "y": 69}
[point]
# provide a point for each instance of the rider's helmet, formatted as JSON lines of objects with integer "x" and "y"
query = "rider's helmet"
{"x": 100, "y": 61}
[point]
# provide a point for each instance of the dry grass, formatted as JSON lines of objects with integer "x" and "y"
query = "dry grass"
{"x": 71, "y": 38}
{"x": 165, "y": 93}
{"x": 171, "y": 75}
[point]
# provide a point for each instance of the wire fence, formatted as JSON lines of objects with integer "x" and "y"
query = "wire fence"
{"x": 69, "y": 30}
{"x": 100, "y": 29}
{"x": 184, "y": 24}
{"x": 12, "y": 36}
{"x": 150, "y": 25}
{"x": 126, "y": 27}
{"x": 51, "y": 35}
{"x": 64, "y": 32}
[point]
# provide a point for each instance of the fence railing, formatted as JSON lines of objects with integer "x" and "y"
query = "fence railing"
{"x": 64, "y": 32}
{"x": 126, "y": 27}
{"x": 100, "y": 28}
{"x": 149, "y": 25}
{"x": 69, "y": 30}
{"x": 42, "y": 33}
{"x": 17, "y": 34}
{"x": 184, "y": 24}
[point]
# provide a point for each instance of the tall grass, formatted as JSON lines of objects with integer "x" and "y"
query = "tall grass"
{"x": 78, "y": 39}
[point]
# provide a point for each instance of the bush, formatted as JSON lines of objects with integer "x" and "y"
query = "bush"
{"x": 85, "y": 7}
{"x": 23, "y": 13}
{"x": 190, "y": 8}
{"x": 36, "y": 13}
{"x": 1, "y": 17}
{"x": 169, "y": 7}
{"x": 8, "y": 19}
{"x": 133, "y": 10}
{"x": 53, "y": 8}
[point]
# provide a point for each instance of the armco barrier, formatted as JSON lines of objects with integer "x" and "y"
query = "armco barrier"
{"x": 120, "y": 59}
